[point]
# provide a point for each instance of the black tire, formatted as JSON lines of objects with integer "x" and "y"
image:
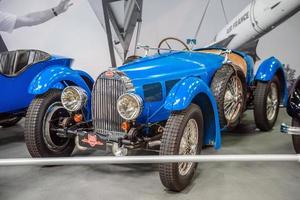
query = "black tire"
{"x": 296, "y": 138}
{"x": 169, "y": 173}
{"x": 219, "y": 86}
{"x": 11, "y": 121}
{"x": 260, "y": 104}
{"x": 34, "y": 133}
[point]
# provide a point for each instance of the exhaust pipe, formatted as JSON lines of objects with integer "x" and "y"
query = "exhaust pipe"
{"x": 81, "y": 148}
{"x": 154, "y": 143}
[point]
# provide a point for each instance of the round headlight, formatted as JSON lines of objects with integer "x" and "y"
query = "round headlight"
{"x": 73, "y": 98}
{"x": 129, "y": 106}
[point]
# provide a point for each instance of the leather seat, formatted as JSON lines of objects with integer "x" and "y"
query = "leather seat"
{"x": 14, "y": 62}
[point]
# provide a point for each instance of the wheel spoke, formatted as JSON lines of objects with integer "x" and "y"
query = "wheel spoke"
{"x": 235, "y": 86}
{"x": 269, "y": 110}
{"x": 233, "y": 99}
{"x": 231, "y": 88}
{"x": 272, "y": 101}
{"x": 231, "y": 109}
{"x": 188, "y": 145}
{"x": 228, "y": 103}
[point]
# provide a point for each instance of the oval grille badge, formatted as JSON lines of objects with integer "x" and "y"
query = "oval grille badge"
{"x": 109, "y": 74}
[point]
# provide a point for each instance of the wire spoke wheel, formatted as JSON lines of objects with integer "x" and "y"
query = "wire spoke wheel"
{"x": 183, "y": 135}
{"x": 266, "y": 103}
{"x": 188, "y": 145}
{"x": 233, "y": 99}
{"x": 229, "y": 88}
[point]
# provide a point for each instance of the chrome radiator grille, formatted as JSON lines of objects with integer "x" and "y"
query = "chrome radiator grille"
{"x": 105, "y": 94}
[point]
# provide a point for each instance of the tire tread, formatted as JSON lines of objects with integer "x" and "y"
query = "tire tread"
{"x": 33, "y": 122}
{"x": 260, "y": 95}
{"x": 169, "y": 142}
{"x": 218, "y": 87}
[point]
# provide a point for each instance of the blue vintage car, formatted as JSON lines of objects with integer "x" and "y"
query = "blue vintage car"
{"x": 17, "y": 70}
{"x": 173, "y": 102}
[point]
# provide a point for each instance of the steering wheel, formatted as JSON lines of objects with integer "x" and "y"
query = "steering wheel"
{"x": 167, "y": 43}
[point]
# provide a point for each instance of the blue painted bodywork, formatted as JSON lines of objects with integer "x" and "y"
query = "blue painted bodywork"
{"x": 18, "y": 91}
{"x": 184, "y": 93}
{"x": 194, "y": 72}
{"x": 59, "y": 76}
{"x": 267, "y": 69}
{"x": 266, "y": 72}
{"x": 56, "y": 76}
{"x": 14, "y": 89}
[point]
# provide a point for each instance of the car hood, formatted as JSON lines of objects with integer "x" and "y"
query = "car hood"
{"x": 172, "y": 66}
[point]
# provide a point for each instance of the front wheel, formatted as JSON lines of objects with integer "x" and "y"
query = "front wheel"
{"x": 44, "y": 114}
{"x": 182, "y": 136}
{"x": 266, "y": 104}
{"x": 296, "y": 138}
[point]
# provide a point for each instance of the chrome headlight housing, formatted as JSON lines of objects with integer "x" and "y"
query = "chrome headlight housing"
{"x": 73, "y": 98}
{"x": 129, "y": 106}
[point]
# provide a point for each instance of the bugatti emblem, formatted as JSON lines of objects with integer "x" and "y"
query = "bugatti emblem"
{"x": 109, "y": 74}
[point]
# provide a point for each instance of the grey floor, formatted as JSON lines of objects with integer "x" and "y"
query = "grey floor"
{"x": 231, "y": 180}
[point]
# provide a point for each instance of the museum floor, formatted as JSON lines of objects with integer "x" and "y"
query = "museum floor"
{"x": 230, "y": 180}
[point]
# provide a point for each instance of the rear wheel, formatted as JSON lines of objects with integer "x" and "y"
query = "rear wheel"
{"x": 296, "y": 138}
{"x": 229, "y": 92}
{"x": 266, "y": 104}
{"x": 10, "y": 122}
{"x": 182, "y": 136}
{"x": 44, "y": 114}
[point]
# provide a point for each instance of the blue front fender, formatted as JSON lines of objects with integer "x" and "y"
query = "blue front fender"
{"x": 60, "y": 77}
{"x": 55, "y": 77}
{"x": 266, "y": 72}
{"x": 195, "y": 90}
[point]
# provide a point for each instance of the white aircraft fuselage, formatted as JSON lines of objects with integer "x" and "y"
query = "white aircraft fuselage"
{"x": 257, "y": 19}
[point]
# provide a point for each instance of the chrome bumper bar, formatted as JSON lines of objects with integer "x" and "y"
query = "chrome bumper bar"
{"x": 291, "y": 130}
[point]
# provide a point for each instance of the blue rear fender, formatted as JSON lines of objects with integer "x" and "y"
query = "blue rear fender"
{"x": 270, "y": 68}
{"x": 60, "y": 77}
{"x": 194, "y": 90}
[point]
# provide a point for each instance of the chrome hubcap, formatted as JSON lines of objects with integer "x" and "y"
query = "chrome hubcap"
{"x": 188, "y": 145}
{"x": 272, "y": 102}
{"x": 50, "y": 121}
{"x": 233, "y": 99}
